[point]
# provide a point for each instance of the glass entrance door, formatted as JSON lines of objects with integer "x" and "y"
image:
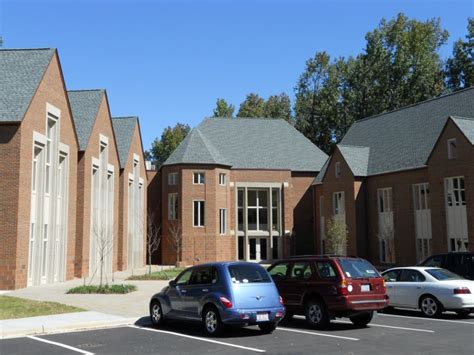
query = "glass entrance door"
{"x": 258, "y": 249}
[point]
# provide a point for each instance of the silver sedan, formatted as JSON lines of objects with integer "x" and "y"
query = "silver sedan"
{"x": 432, "y": 290}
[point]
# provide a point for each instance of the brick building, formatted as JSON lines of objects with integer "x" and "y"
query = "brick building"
{"x": 69, "y": 173}
{"x": 403, "y": 182}
{"x": 239, "y": 189}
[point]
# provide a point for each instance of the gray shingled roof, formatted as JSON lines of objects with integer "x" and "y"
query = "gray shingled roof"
{"x": 466, "y": 125}
{"x": 21, "y": 71}
{"x": 356, "y": 157}
{"x": 123, "y": 129}
{"x": 403, "y": 139}
{"x": 85, "y": 106}
{"x": 249, "y": 143}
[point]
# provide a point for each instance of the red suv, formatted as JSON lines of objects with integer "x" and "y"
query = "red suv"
{"x": 324, "y": 287}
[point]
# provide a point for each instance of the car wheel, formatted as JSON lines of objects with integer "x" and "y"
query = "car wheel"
{"x": 430, "y": 306}
{"x": 267, "y": 328}
{"x": 463, "y": 312}
{"x": 212, "y": 321}
{"x": 156, "y": 313}
{"x": 316, "y": 313}
{"x": 363, "y": 319}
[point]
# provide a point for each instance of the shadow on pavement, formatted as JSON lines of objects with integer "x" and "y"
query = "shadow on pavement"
{"x": 301, "y": 324}
{"x": 418, "y": 314}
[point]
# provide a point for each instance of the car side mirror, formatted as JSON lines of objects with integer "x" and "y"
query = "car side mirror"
{"x": 172, "y": 283}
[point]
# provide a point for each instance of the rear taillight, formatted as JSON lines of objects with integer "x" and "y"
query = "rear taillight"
{"x": 225, "y": 302}
{"x": 281, "y": 300}
{"x": 461, "y": 291}
{"x": 342, "y": 288}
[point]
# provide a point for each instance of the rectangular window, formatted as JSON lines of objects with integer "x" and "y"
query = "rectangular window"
{"x": 172, "y": 178}
{"x": 338, "y": 169}
{"x": 338, "y": 203}
{"x": 222, "y": 179}
{"x": 275, "y": 214}
{"x": 452, "y": 148}
{"x": 257, "y": 210}
{"x": 222, "y": 221}
{"x": 198, "y": 213}
{"x": 198, "y": 178}
{"x": 172, "y": 206}
{"x": 455, "y": 191}
{"x": 421, "y": 196}
{"x": 384, "y": 197}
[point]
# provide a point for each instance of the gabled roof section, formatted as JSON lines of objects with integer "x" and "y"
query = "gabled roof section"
{"x": 250, "y": 143}
{"x": 21, "y": 71}
{"x": 403, "y": 139}
{"x": 357, "y": 158}
{"x": 196, "y": 149}
{"x": 124, "y": 127}
{"x": 319, "y": 178}
{"x": 466, "y": 126}
{"x": 85, "y": 107}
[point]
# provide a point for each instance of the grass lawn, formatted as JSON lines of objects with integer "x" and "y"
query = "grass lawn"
{"x": 105, "y": 289}
{"x": 159, "y": 275}
{"x": 14, "y": 307}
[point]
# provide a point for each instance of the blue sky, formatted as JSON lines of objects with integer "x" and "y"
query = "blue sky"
{"x": 168, "y": 61}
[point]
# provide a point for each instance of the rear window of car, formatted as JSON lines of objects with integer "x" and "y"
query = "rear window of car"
{"x": 244, "y": 274}
{"x": 443, "y": 274}
{"x": 358, "y": 268}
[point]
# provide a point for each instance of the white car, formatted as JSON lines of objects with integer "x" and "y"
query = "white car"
{"x": 430, "y": 289}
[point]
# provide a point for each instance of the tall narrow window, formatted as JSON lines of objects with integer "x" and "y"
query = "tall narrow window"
{"x": 275, "y": 212}
{"x": 240, "y": 209}
{"x": 338, "y": 203}
{"x": 172, "y": 206}
{"x": 222, "y": 179}
{"x": 452, "y": 148}
{"x": 198, "y": 213}
{"x": 338, "y": 169}
{"x": 172, "y": 179}
{"x": 198, "y": 178}
{"x": 257, "y": 210}
{"x": 222, "y": 221}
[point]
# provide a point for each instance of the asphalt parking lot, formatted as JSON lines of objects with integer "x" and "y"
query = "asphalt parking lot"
{"x": 401, "y": 332}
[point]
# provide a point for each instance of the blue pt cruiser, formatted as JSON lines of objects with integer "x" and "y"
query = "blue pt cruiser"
{"x": 219, "y": 294}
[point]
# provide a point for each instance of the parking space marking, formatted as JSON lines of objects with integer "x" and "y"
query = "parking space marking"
{"x": 388, "y": 326}
{"x": 314, "y": 333}
{"x": 61, "y": 345}
{"x": 199, "y": 338}
{"x": 428, "y": 319}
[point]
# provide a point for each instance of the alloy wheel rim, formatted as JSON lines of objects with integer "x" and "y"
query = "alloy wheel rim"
{"x": 429, "y": 306}
{"x": 211, "y": 321}
{"x": 315, "y": 313}
{"x": 156, "y": 313}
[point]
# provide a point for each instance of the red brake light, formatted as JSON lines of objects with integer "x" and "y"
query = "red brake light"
{"x": 461, "y": 291}
{"x": 281, "y": 300}
{"x": 225, "y": 302}
{"x": 342, "y": 288}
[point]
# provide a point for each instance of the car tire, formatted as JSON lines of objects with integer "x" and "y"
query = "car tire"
{"x": 267, "y": 328}
{"x": 316, "y": 313}
{"x": 362, "y": 320}
{"x": 156, "y": 313}
{"x": 463, "y": 312}
{"x": 430, "y": 306}
{"x": 212, "y": 321}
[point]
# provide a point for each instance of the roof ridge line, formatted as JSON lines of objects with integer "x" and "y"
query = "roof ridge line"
{"x": 28, "y": 49}
{"x": 442, "y": 96}
{"x": 208, "y": 144}
{"x": 85, "y": 90}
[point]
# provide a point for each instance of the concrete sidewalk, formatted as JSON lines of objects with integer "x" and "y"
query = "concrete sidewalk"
{"x": 106, "y": 310}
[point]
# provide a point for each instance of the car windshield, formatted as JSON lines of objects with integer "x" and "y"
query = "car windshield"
{"x": 244, "y": 274}
{"x": 443, "y": 274}
{"x": 358, "y": 268}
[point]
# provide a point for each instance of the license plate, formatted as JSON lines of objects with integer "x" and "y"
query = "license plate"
{"x": 262, "y": 317}
{"x": 365, "y": 288}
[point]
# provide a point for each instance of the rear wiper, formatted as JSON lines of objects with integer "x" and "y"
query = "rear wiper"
{"x": 257, "y": 280}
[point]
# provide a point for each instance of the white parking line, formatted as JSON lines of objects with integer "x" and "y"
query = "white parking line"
{"x": 314, "y": 333}
{"x": 427, "y": 319}
{"x": 388, "y": 326}
{"x": 198, "y": 338}
{"x": 61, "y": 345}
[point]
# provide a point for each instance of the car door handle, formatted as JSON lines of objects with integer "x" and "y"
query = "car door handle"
{"x": 205, "y": 290}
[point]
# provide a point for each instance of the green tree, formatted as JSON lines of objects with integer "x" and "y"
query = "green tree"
{"x": 223, "y": 109}
{"x": 336, "y": 237}
{"x": 278, "y": 106}
{"x": 460, "y": 67}
{"x": 171, "y": 137}
{"x": 252, "y": 106}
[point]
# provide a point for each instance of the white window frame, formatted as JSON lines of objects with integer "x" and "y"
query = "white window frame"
{"x": 452, "y": 192}
{"x": 222, "y": 179}
{"x": 173, "y": 206}
{"x": 452, "y": 148}
{"x": 201, "y": 178}
{"x": 172, "y": 178}
{"x": 222, "y": 221}
{"x": 385, "y": 200}
{"x": 198, "y": 202}
{"x": 338, "y": 203}
{"x": 337, "y": 168}
{"x": 421, "y": 199}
